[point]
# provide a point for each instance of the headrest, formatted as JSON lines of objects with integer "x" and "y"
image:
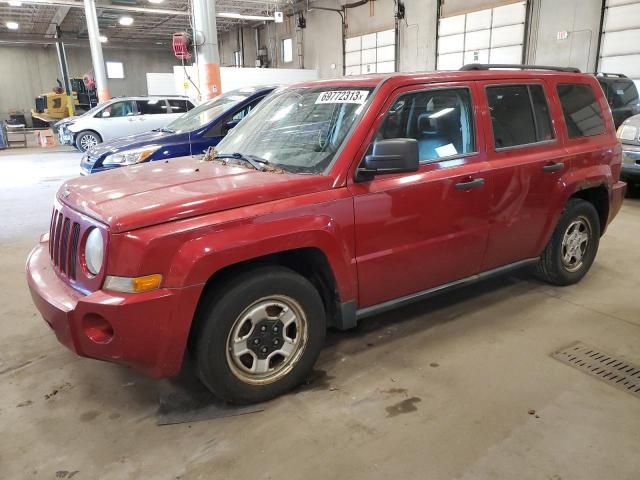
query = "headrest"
{"x": 427, "y": 125}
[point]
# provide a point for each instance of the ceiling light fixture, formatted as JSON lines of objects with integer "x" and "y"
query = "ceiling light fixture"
{"x": 156, "y": 1}
{"x": 103, "y": 39}
{"x": 14, "y": 3}
{"x": 125, "y": 21}
{"x": 241, "y": 16}
{"x": 12, "y": 25}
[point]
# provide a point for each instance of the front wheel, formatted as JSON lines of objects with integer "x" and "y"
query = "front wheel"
{"x": 87, "y": 139}
{"x": 573, "y": 246}
{"x": 260, "y": 336}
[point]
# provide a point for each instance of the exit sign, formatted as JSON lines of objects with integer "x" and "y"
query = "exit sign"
{"x": 562, "y": 35}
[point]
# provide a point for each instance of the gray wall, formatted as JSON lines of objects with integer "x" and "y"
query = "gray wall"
{"x": 581, "y": 18}
{"x": 29, "y": 71}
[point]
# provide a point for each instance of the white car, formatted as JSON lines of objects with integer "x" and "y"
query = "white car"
{"x": 120, "y": 117}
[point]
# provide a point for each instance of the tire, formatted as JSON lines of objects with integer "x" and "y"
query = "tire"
{"x": 255, "y": 307}
{"x": 87, "y": 139}
{"x": 573, "y": 246}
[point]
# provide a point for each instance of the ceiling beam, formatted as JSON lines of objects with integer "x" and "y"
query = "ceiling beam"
{"x": 57, "y": 19}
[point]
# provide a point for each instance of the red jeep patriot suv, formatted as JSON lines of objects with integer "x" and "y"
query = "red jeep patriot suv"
{"x": 332, "y": 201}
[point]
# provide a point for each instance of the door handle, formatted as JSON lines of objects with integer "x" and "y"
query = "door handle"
{"x": 554, "y": 167}
{"x": 475, "y": 183}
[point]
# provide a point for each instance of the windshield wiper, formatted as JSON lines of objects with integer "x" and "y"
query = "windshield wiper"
{"x": 256, "y": 162}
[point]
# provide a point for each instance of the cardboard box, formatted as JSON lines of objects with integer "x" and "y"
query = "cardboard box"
{"x": 45, "y": 138}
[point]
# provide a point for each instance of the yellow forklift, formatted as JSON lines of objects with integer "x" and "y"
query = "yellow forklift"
{"x": 55, "y": 105}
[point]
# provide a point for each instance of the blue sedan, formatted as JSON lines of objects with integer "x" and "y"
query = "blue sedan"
{"x": 190, "y": 134}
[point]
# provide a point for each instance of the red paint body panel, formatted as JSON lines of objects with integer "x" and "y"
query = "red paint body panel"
{"x": 385, "y": 238}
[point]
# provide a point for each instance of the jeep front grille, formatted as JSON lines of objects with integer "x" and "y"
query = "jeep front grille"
{"x": 64, "y": 236}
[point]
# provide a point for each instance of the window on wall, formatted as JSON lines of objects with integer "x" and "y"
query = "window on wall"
{"x": 371, "y": 53}
{"x": 492, "y": 35}
{"x": 115, "y": 70}
{"x": 287, "y": 50}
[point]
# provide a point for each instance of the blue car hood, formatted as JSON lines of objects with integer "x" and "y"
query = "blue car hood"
{"x": 135, "y": 141}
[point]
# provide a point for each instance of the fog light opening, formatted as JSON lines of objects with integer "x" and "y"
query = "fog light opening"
{"x": 97, "y": 329}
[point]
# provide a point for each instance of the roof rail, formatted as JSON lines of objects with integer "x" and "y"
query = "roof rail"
{"x": 489, "y": 66}
{"x": 604, "y": 74}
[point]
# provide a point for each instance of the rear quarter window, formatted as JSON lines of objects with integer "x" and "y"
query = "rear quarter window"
{"x": 581, "y": 110}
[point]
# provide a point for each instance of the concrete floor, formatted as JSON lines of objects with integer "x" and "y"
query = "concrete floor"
{"x": 438, "y": 390}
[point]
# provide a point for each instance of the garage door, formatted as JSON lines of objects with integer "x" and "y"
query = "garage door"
{"x": 620, "y": 47}
{"x": 371, "y": 53}
{"x": 491, "y": 35}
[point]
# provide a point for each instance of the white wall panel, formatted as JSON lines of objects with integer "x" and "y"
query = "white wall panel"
{"x": 386, "y": 37}
{"x": 622, "y": 18}
{"x": 621, "y": 43}
{"x": 353, "y": 44}
{"x": 478, "y": 40}
{"x": 451, "y": 25}
{"x": 509, "y": 14}
{"x": 620, "y": 48}
{"x": 451, "y": 43}
{"x": 478, "y": 20}
{"x": 506, "y": 54}
{"x": 505, "y": 36}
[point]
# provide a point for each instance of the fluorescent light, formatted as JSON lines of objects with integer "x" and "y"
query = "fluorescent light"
{"x": 156, "y": 1}
{"x": 12, "y": 25}
{"x": 14, "y": 3}
{"x": 125, "y": 21}
{"x": 442, "y": 112}
{"x": 243, "y": 17}
{"x": 103, "y": 39}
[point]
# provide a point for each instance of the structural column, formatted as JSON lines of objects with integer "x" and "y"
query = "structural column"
{"x": 206, "y": 39}
{"x": 96, "y": 50}
{"x": 62, "y": 60}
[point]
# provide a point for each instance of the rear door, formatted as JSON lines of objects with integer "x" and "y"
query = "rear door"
{"x": 152, "y": 113}
{"x": 527, "y": 161}
{"x": 416, "y": 231}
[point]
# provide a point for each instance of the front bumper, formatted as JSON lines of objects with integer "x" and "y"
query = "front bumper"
{"x": 65, "y": 137}
{"x": 630, "y": 171}
{"x": 150, "y": 330}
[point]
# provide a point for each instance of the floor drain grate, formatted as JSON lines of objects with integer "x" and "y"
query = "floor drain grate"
{"x": 608, "y": 368}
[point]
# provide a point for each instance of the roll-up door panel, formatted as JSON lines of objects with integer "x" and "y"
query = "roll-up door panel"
{"x": 451, "y": 43}
{"x": 620, "y": 42}
{"x": 507, "y": 36}
{"x": 478, "y": 40}
{"x": 478, "y": 20}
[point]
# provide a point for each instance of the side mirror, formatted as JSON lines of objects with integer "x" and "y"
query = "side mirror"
{"x": 395, "y": 155}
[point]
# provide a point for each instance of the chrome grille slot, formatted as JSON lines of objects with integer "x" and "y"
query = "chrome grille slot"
{"x": 56, "y": 241}
{"x": 73, "y": 250}
{"x": 64, "y": 244}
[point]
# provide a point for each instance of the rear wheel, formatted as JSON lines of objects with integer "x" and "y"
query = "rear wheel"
{"x": 260, "y": 336}
{"x": 573, "y": 246}
{"x": 87, "y": 139}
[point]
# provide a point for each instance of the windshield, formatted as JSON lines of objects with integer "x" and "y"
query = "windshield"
{"x": 298, "y": 129}
{"x": 208, "y": 111}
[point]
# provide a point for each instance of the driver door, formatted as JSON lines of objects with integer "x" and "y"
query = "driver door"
{"x": 416, "y": 231}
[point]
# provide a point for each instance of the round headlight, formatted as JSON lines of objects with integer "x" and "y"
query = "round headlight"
{"x": 94, "y": 251}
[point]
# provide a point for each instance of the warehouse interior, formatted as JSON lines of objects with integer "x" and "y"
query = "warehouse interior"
{"x": 466, "y": 384}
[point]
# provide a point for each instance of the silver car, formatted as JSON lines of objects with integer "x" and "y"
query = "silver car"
{"x": 629, "y": 136}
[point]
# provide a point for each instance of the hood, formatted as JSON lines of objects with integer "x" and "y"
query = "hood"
{"x": 65, "y": 121}
{"x": 158, "y": 192}
{"x": 131, "y": 142}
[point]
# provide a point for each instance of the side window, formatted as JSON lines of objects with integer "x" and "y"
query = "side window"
{"x": 440, "y": 120}
{"x": 180, "y": 106}
{"x": 118, "y": 109}
{"x": 153, "y": 106}
{"x": 239, "y": 115}
{"x": 519, "y": 115}
{"x": 582, "y": 112}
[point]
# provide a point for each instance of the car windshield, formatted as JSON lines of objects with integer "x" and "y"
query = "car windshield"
{"x": 208, "y": 111}
{"x": 298, "y": 129}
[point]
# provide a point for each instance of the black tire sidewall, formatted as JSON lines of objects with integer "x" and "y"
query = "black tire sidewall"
{"x": 575, "y": 209}
{"x": 219, "y": 314}
{"x": 82, "y": 134}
